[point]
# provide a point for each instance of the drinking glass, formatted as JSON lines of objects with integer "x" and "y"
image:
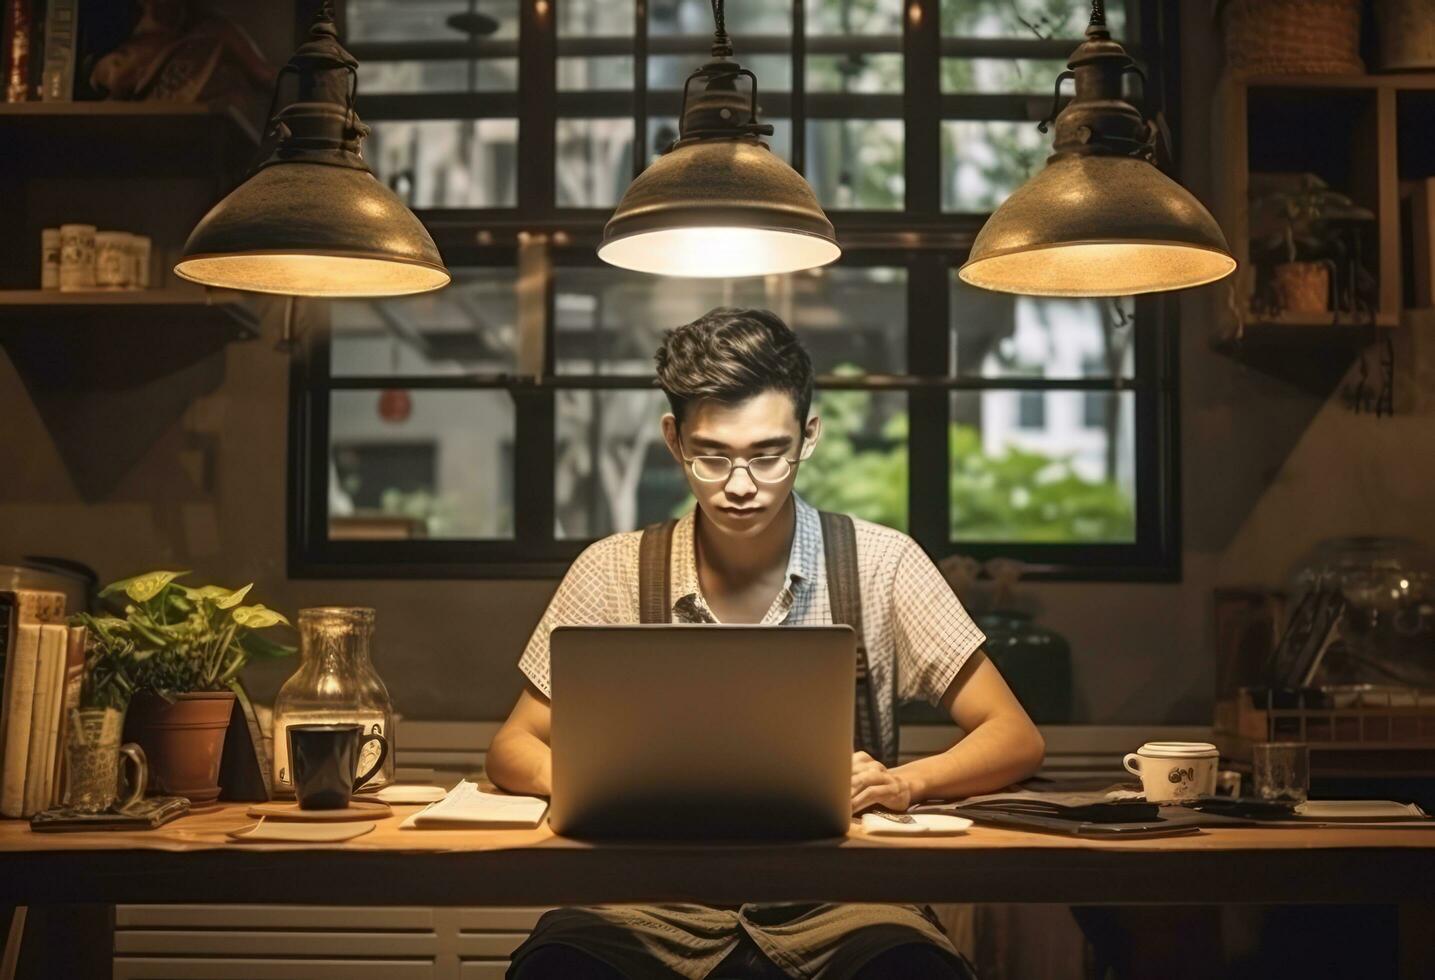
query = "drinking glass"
{"x": 92, "y": 760}
{"x": 1281, "y": 771}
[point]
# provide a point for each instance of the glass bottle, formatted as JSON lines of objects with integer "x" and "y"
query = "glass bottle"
{"x": 335, "y": 683}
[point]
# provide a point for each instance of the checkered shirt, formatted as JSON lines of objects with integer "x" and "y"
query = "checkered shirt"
{"x": 918, "y": 635}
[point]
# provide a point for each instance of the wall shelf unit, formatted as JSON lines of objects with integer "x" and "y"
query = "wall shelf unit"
{"x": 1366, "y": 136}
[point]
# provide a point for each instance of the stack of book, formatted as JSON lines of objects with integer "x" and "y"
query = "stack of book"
{"x": 44, "y": 666}
{"x": 40, "y": 50}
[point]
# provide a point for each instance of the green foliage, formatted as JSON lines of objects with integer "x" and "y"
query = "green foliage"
{"x": 1306, "y": 215}
{"x": 1026, "y": 496}
{"x": 172, "y": 639}
{"x": 110, "y": 659}
{"x": 1016, "y": 496}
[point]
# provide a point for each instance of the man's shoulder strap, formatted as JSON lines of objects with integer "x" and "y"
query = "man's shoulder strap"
{"x": 655, "y": 603}
{"x": 844, "y": 591}
{"x": 844, "y": 588}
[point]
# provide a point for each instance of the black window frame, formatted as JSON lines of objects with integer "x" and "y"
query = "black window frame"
{"x": 926, "y": 241}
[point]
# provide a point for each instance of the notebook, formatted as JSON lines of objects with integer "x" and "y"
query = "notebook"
{"x": 470, "y": 808}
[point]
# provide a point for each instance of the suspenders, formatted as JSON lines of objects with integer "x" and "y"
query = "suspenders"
{"x": 839, "y": 542}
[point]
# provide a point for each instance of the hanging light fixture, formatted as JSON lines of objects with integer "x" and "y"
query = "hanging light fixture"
{"x": 312, "y": 220}
{"x": 1099, "y": 219}
{"x": 719, "y": 203}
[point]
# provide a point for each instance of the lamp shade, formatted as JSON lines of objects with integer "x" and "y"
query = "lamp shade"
{"x": 310, "y": 229}
{"x": 312, "y": 220}
{"x": 719, "y": 203}
{"x": 1098, "y": 226}
{"x": 718, "y": 208}
{"x": 1100, "y": 219}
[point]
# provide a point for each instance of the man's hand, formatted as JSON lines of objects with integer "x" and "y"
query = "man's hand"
{"x": 873, "y": 784}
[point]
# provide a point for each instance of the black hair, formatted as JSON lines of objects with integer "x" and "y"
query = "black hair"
{"x": 731, "y": 355}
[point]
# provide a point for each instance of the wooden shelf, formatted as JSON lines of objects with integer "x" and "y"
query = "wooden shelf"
{"x": 32, "y": 299}
{"x": 123, "y": 138}
{"x": 1354, "y": 131}
{"x": 1392, "y": 80}
{"x": 1311, "y": 356}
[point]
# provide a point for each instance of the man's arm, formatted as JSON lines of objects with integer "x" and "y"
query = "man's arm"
{"x": 519, "y": 759}
{"x": 1001, "y": 746}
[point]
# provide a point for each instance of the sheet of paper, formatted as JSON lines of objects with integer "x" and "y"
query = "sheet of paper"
{"x": 468, "y": 806}
{"x": 300, "y": 833}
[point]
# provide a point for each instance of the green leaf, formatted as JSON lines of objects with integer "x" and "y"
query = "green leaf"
{"x": 257, "y": 616}
{"x": 219, "y": 595}
{"x": 142, "y": 588}
{"x": 258, "y": 646}
{"x": 234, "y": 598}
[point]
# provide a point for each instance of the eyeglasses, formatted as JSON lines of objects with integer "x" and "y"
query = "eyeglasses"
{"x": 762, "y": 469}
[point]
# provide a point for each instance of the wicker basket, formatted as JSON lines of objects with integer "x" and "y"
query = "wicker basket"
{"x": 1293, "y": 37}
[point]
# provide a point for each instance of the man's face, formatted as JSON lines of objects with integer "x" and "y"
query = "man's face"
{"x": 764, "y": 425}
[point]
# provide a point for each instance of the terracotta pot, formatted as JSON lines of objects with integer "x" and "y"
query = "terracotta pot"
{"x": 183, "y": 740}
{"x": 1303, "y": 287}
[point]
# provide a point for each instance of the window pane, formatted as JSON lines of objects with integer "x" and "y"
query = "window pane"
{"x": 446, "y": 75}
{"x": 595, "y": 74}
{"x": 420, "y": 464}
{"x": 999, "y": 335}
{"x": 670, "y": 71}
{"x": 983, "y": 162}
{"x": 1036, "y": 76}
{"x": 447, "y": 163}
{"x": 609, "y": 321}
{"x": 429, "y": 20}
{"x": 856, "y": 163}
{"x": 863, "y": 73}
{"x": 1025, "y": 18}
{"x": 1064, "y": 480}
{"x": 595, "y": 18}
{"x": 595, "y": 161}
{"x": 471, "y": 327}
{"x": 612, "y": 471}
{"x": 744, "y": 18}
{"x": 859, "y": 467}
{"x": 845, "y": 17}
{"x": 860, "y": 464}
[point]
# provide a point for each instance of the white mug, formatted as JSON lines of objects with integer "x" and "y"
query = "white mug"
{"x": 1174, "y": 771}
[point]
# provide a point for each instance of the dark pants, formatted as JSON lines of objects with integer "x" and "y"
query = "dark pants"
{"x": 910, "y": 961}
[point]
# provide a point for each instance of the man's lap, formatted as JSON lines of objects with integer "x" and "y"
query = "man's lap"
{"x": 822, "y": 942}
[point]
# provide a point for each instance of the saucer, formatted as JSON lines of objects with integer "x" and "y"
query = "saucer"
{"x": 356, "y": 810}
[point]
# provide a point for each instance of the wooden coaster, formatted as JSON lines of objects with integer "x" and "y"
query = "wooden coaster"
{"x": 356, "y": 810}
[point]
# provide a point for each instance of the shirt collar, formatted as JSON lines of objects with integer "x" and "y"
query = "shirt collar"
{"x": 803, "y": 561}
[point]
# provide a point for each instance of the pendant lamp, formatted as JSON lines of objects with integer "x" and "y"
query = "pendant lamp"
{"x": 312, "y": 220}
{"x": 719, "y": 203}
{"x": 1100, "y": 219}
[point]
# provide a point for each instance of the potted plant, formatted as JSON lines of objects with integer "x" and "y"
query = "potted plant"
{"x": 1302, "y": 228}
{"x": 184, "y": 649}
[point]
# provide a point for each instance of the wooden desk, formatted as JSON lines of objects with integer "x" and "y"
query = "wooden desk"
{"x": 190, "y": 860}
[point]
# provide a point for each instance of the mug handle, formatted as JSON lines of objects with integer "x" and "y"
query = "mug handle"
{"x": 139, "y": 781}
{"x": 1134, "y": 768}
{"x": 378, "y": 763}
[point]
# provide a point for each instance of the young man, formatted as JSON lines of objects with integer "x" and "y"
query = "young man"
{"x": 740, "y": 386}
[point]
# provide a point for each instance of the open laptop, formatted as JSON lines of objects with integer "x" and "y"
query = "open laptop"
{"x": 709, "y": 731}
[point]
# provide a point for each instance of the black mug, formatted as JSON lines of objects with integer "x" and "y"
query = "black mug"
{"x": 323, "y": 759}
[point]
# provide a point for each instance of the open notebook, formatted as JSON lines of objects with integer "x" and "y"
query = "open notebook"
{"x": 468, "y": 807}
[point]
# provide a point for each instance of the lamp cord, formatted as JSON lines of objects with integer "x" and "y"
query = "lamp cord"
{"x": 722, "y": 45}
{"x": 1098, "y": 13}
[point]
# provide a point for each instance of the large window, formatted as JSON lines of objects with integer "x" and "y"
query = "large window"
{"x": 497, "y": 426}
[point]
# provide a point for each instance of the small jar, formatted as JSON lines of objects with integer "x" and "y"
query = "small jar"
{"x": 335, "y": 683}
{"x": 77, "y": 258}
{"x": 114, "y": 262}
{"x": 50, "y": 258}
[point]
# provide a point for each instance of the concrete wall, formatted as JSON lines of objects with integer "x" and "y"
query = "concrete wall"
{"x": 1267, "y": 470}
